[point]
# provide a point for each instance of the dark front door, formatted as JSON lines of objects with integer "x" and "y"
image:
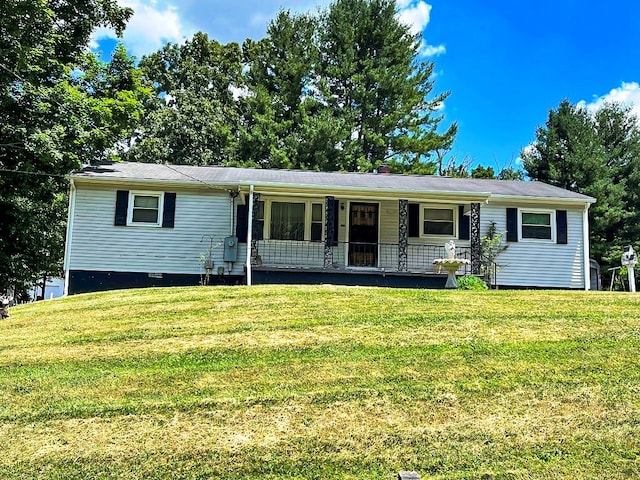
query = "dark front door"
{"x": 363, "y": 235}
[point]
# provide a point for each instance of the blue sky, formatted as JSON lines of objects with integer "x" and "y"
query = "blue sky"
{"x": 506, "y": 63}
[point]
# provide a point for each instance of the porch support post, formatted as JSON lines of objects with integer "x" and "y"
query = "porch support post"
{"x": 475, "y": 238}
{"x": 403, "y": 235}
{"x": 255, "y": 226}
{"x": 329, "y": 220}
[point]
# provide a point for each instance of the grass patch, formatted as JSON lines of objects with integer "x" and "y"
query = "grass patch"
{"x": 321, "y": 382}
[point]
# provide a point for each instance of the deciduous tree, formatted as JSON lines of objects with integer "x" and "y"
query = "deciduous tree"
{"x": 43, "y": 125}
{"x": 194, "y": 118}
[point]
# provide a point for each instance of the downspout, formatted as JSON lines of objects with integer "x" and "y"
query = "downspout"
{"x": 249, "y": 234}
{"x": 585, "y": 241}
{"x": 69, "y": 235}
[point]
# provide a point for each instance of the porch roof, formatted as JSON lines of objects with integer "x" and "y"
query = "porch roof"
{"x": 409, "y": 185}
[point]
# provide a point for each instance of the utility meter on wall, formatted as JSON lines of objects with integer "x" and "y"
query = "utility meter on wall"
{"x": 231, "y": 249}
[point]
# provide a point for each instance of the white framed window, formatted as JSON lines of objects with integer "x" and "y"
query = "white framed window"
{"x": 438, "y": 221}
{"x": 287, "y": 220}
{"x": 260, "y": 220}
{"x": 537, "y": 225}
{"x": 145, "y": 209}
{"x": 317, "y": 222}
{"x": 293, "y": 219}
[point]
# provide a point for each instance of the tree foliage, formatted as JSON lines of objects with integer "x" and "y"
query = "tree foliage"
{"x": 491, "y": 246}
{"x": 342, "y": 90}
{"x": 379, "y": 87}
{"x": 194, "y": 118}
{"x": 483, "y": 172}
{"x": 286, "y": 125}
{"x": 48, "y": 124}
{"x": 598, "y": 155}
{"x": 511, "y": 173}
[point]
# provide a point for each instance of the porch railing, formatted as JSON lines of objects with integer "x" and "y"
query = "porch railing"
{"x": 347, "y": 255}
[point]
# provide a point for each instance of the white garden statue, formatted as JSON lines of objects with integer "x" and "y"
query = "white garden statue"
{"x": 4, "y": 306}
{"x": 450, "y": 249}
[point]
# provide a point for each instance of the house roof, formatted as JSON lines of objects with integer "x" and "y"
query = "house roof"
{"x": 336, "y": 181}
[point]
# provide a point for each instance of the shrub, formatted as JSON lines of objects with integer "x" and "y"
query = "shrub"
{"x": 471, "y": 282}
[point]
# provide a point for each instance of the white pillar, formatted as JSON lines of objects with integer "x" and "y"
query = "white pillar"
{"x": 249, "y": 234}
{"x": 632, "y": 278}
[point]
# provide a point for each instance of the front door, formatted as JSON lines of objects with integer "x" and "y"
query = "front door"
{"x": 363, "y": 235}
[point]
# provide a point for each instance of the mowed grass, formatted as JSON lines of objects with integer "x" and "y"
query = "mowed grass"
{"x": 325, "y": 382}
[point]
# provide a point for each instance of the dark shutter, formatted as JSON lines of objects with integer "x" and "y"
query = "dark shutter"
{"x": 336, "y": 222}
{"x": 122, "y": 206}
{"x": 512, "y": 224}
{"x": 414, "y": 220}
{"x": 561, "y": 227}
{"x": 463, "y": 224}
{"x": 169, "y": 210}
{"x": 332, "y": 219}
{"x": 242, "y": 219}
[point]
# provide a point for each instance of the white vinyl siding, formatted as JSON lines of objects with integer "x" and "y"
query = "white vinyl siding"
{"x": 536, "y": 263}
{"x": 98, "y": 245}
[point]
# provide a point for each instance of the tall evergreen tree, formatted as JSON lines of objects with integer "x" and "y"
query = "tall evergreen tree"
{"x": 378, "y": 87}
{"x": 345, "y": 90}
{"x": 597, "y": 155}
{"x": 282, "y": 113}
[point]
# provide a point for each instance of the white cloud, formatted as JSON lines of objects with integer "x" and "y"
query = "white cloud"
{"x": 239, "y": 93}
{"x": 432, "y": 50}
{"x": 415, "y": 15}
{"x": 150, "y": 27}
{"x": 156, "y": 22}
{"x": 628, "y": 94}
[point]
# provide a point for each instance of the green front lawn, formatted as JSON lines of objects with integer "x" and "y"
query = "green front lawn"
{"x": 320, "y": 383}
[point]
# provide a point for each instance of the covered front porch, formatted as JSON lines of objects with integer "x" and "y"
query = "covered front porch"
{"x": 356, "y": 240}
{"x": 352, "y": 256}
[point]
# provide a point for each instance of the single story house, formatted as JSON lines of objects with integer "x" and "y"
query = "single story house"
{"x": 140, "y": 224}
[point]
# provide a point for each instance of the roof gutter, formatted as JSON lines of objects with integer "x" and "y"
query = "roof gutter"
{"x": 155, "y": 181}
{"x": 525, "y": 199}
{"x": 288, "y": 188}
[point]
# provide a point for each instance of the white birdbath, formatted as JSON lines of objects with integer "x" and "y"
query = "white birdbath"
{"x": 451, "y": 265}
